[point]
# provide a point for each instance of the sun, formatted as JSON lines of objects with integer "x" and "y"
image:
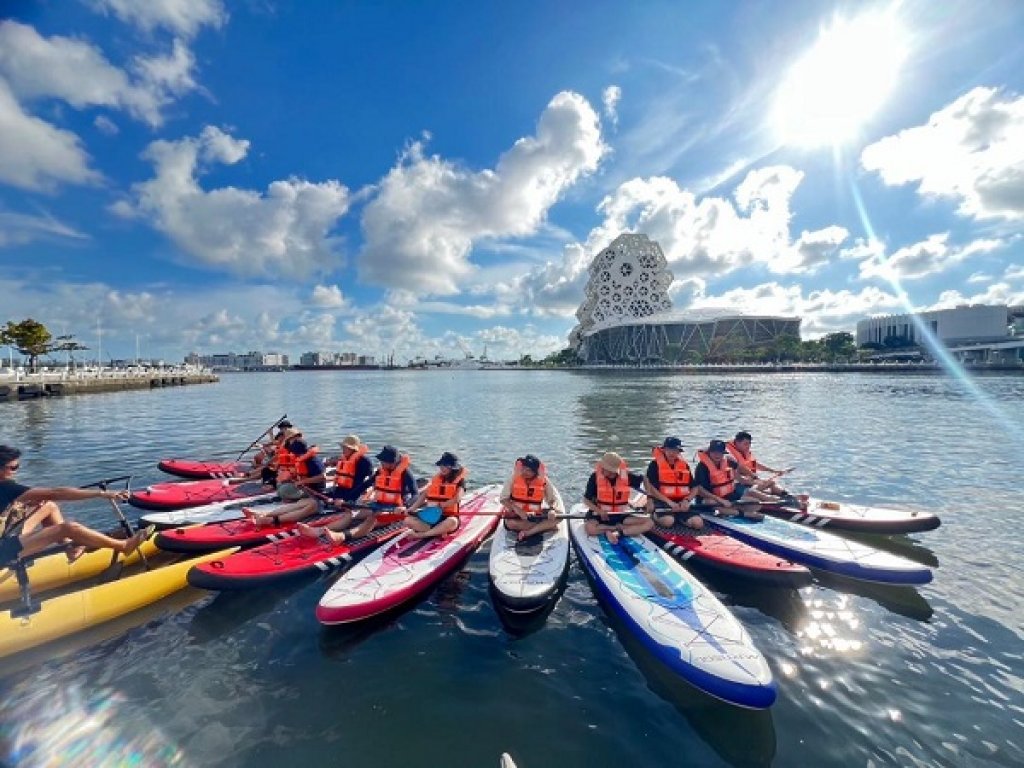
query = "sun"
{"x": 841, "y": 82}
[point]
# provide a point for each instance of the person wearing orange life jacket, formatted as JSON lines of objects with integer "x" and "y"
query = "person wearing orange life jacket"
{"x": 271, "y": 458}
{"x": 435, "y": 512}
{"x": 748, "y": 467}
{"x": 607, "y": 500}
{"x": 671, "y": 487}
{"x": 303, "y": 469}
{"x": 717, "y": 473}
{"x": 530, "y": 499}
{"x": 392, "y": 487}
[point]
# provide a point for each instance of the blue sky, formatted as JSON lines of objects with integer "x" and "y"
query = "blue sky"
{"x": 434, "y": 178}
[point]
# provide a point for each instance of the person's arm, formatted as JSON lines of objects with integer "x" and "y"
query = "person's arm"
{"x": 553, "y": 499}
{"x": 418, "y": 502}
{"x": 313, "y": 465}
{"x": 651, "y": 486}
{"x": 702, "y": 480}
{"x": 368, "y": 494}
{"x": 70, "y": 494}
{"x": 590, "y": 498}
{"x": 410, "y": 492}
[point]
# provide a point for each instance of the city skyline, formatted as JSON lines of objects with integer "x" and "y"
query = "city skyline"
{"x": 193, "y": 176}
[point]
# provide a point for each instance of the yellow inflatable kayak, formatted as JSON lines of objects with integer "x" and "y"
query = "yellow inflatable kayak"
{"x": 65, "y": 614}
{"x": 53, "y": 571}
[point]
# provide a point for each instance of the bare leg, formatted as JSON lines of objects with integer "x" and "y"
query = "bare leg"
{"x": 79, "y": 534}
{"x": 421, "y": 530}
{"x": 547, "y": 524}
{"x": 45, "y": 514}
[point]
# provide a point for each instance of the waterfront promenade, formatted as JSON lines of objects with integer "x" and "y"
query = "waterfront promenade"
{"x": 22, "y": 385}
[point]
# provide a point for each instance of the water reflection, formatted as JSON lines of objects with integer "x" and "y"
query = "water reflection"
{"x": 904, "y": 600}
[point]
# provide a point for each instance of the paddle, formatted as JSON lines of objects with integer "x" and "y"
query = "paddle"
{"x": 109, "y": 574}
{"x": 262, "y": 435}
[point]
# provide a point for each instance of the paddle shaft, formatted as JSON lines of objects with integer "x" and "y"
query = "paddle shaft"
{"x": 262, "y": 435}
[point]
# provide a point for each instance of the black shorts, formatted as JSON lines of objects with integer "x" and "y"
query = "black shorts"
{"x": 616, "y": 519}
{"x": 10, "y": 548}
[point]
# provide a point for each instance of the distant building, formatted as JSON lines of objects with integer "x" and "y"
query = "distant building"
{"x": 627, "y": 318}
{"x": 231, "y": 361}
{"x": 978, "y": 333}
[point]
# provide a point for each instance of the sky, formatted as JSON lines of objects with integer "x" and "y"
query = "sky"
{"x": 425, "y": 179}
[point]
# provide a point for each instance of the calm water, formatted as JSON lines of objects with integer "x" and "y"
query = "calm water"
{"x": 867, "y": 675}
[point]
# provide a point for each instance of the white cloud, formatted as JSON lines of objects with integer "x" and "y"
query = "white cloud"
{"x": 971, "y": 151}
{"x": 932, "y": 255}
{"x": 420, "y": 228}
{"x": 21, "y": 228}
{"x": 328, "y": 297}
{"x": 610, "y": 98}
{"x": 996, "y": 293}
{"x": 284, "y": 231}
{"x": 106, "y": 126}
{"x": 78, "y": 73}
{"x": 823, "y": 311}
{"x": 183, "y": 17}
{"x": 36, "y": 155}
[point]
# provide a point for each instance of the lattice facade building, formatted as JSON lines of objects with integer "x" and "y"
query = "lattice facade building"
{"x": 627, "y": 318}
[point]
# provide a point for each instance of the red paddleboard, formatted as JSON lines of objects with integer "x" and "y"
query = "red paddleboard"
{"x": 195, "y": 493}
{"x": 240, "y": 533}
{"x": 204, "y": 470}
{"x": 288, "y": 558}
{"x": 724, "y": 553}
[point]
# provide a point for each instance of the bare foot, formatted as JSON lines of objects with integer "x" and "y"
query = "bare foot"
{"x": 305, "y": 529}
{"x": 256, "y": 519}
{"x": 612, "y": 536}
{"x": 136, "y": 540}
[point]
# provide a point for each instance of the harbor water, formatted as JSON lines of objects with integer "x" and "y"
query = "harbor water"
{"x": 868, "y": 675}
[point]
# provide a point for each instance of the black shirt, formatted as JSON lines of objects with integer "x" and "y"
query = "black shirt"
{"x": 10, "y": 491}
{"x": 636, "y": 482}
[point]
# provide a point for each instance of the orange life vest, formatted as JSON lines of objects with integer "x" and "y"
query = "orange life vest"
{"x": 673, "y": 479}
{"x": 284, "y": 462}
{"x": 529, "y": 494}
{"x": 723, "y": 479}
{"x": 388, "y": 483}
{"x": 443, "y": 489}
{"x": 300, "y": 461}
{"x": 346, "y": 474}
{"x": 613, "y": 498}
{"x": 745, "y": 460}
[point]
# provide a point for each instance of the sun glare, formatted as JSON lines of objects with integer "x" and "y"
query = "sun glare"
{"x": 841, "y": 82}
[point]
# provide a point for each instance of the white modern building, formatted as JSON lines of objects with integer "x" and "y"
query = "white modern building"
{"x": 977, "y": 323}
{"x": 626, "y": 316}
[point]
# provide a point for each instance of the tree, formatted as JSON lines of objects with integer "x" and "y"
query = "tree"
{"x": 838, "y": 345}
{"x": 29, "y": 337}
{"x": 563, "y": 357}
{"x": 67, "y": 344}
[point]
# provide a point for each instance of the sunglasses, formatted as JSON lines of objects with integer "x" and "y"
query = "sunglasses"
{"x": 13, "y": 467}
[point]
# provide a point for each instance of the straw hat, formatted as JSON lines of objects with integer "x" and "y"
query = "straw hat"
{"x": 611, "y": 462}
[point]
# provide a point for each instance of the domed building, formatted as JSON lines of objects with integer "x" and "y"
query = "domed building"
{"x": 627, "y": 316}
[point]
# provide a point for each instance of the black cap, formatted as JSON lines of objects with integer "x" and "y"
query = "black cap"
{"x": 448, "y": 459}
{"x": 388, "y": 454}
{"x": 284, "y": 424}
{"x": 716, "y": 446}
{"x": 298, "y": 447}
{"x": 673, "y": 443}
{"x": 531, "y": 462}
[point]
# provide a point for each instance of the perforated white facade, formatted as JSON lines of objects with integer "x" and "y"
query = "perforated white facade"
{"x": 629, "y": 279}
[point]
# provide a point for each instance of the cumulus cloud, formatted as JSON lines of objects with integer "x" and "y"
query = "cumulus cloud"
{"x": 36, "y": 155}
{"x": 328, "y": 297}
{"x": 284, "y": 231}
{"x": 610, "y": 98}
{"x": 701, "y": 237}
{"x": 183, "y": 17}
{"x": 929, "y": 256}
{"x": 78, "y": 73}
{"x": 106, "y": 126}
{"x": 971, "y": 152}
{"x": 428, "y": 213}
{"x": 823, "y": 311}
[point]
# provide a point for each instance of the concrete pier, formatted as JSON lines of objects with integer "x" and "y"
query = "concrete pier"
{"x": 28, "y": 386}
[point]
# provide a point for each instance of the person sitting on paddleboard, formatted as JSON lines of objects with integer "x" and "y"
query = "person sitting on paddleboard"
{"x": 392, "y": 488}
{"x": 607, "y": 500}
{"x": 435, "y": 511}
{"x": 264, "y": 462}
{"x": 530, "y": 499}
{"x": 671, "y": 487}
{"x": 353, "y": 477}
{"x": 748, "y": 467}
{"x": 25, "y": 509}
{"x": 302, "y": 469}
{"x": 717, "y": 473}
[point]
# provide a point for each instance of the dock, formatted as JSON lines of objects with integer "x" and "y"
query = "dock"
{"x": 21, "y": 385}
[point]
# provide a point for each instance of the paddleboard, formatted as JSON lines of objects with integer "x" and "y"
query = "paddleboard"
{"x": 286, "y": 558}
{"x": 201, "y": 470}
{"x": 217, "y": 512}
{"x": 818, "y": 549}
{"x": 232, "y": 533}
{"x": 841, "y": 516}
{"x": 717, "y": 550}
{"x": 674, "y": 616}
{"x": 195, "y": 493}
{"x": 526, "y": 575}
{"x": 407, "y": 567}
